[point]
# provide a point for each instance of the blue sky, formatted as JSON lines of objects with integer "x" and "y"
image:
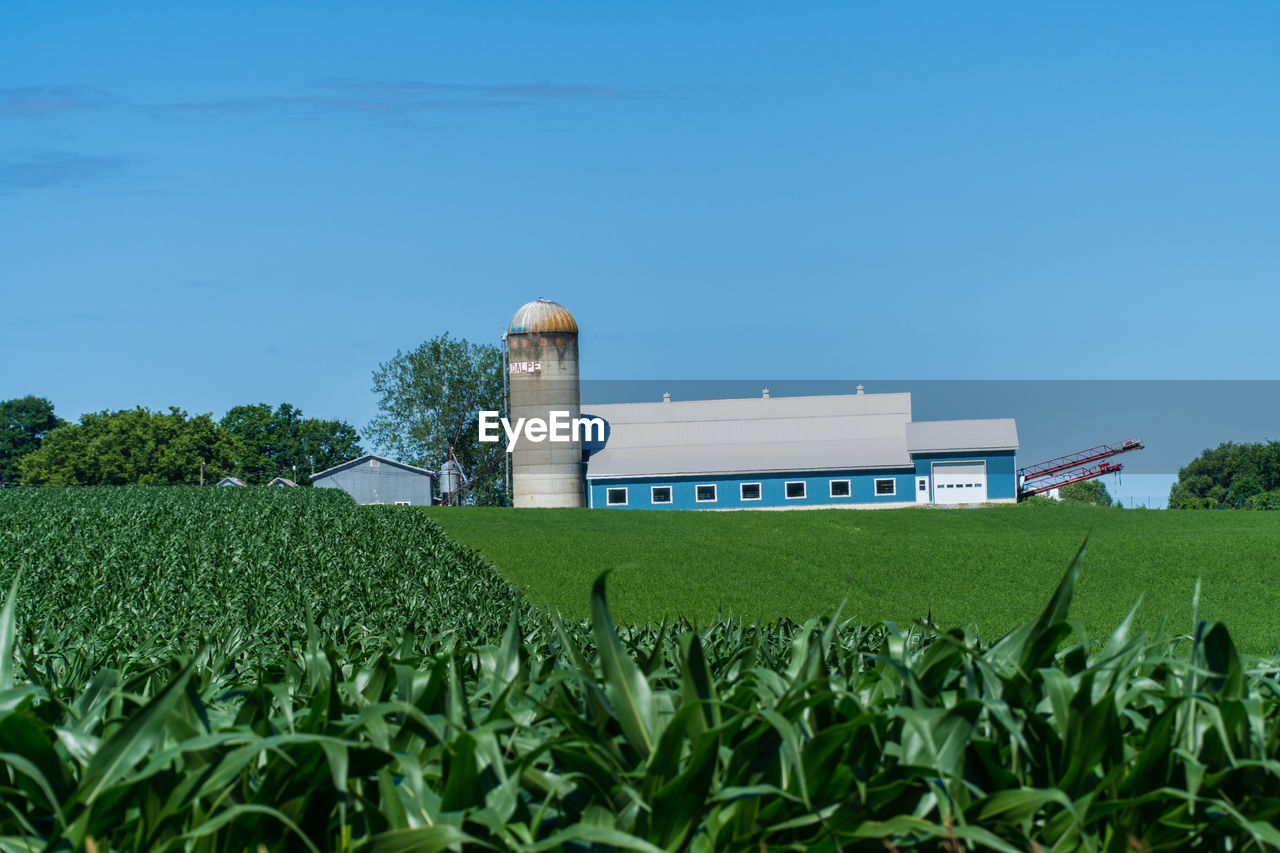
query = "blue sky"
{"x": 206, "y": 205}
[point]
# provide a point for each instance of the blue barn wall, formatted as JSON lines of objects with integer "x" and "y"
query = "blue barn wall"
{"x": 1002, "y": 480}
{"x": 1001, "y": 484}
{"x": 772, "y": 490}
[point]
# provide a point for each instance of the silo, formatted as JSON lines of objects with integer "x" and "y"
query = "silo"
{"x": 542, "y": 367}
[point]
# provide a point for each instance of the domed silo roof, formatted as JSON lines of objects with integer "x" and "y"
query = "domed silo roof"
{"x": 542, "y": 315}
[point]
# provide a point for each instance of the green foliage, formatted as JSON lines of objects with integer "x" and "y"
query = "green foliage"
{"x": 141, "y": 447}
{"x": 1086, "y": 492}
{"x": 23, "y": 424}
{"x": 136, "y": 568}
{"x": 132, "y": 446}
{"x": 980, "y": 567}
{"x": 282, "y": 443}
{"x": 1183, "y": 498}
{"x": 1264, "y": 501}
{"x": 430, "y": 399}
{"x": 1227, "y": 476}
{"x": 515, "y": 732}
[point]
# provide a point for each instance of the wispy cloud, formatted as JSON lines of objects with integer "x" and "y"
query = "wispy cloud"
{"x": 44, "y": 169}
{"x": 505, "y": 91}
{"x": 41, "y": 101}
{"x": 318, "y": 99}
{"x": 295, "y": 107}
{"x": 398, "y": 98}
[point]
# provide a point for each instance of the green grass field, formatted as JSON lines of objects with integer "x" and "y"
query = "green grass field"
{"x": 989, "y": 568}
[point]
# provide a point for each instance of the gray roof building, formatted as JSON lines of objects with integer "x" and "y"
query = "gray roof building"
{"x": 778, "y": 434}
{"x": 372, "y": 479}
{"x": 962, "y": 436}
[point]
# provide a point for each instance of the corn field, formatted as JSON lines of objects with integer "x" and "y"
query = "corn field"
{"x": 259, "y": 669}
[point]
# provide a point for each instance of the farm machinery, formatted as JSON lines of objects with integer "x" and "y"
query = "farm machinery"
{"x": 1072, "y": 468}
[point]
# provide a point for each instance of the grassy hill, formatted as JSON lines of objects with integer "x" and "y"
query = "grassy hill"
{"x": 989, "y": 568}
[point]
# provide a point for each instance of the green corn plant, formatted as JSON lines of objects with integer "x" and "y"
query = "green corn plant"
{"x": 281, "y": 670}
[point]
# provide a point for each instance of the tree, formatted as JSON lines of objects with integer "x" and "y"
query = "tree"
{"x": 1227, "y": 477}
{"x": 128, "y": 447}
{"x": 1264, "y": 501}
{"x": 23, "y": 424}
{"x": 430, "y": 399}
{"x": 282, "y": 443}
{"x": 1086, "y": 492}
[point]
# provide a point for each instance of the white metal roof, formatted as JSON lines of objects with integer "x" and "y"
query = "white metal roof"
{"x": 763, "y": 435}
{"x": 755, "y": 408}
{"x": 755, "y": 435}
{"x": 962, "y": 436}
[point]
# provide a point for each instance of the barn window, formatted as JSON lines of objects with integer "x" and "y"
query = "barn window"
{"x": 705, "y": 494}
{"x": 749, "y": 491}
{"x": 660, "y": 494}
{"x": 616, "y": 496}
{"x": 886, "y": 486}
{"x": 373, "y": 463}
{"x": 840, "y": 488}
{"x": 795, "y": 490}
{"x": 403, "y": 503}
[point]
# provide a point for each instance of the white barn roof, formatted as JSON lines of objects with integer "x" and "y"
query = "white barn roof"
{"x": 962, "y": 436}
{"x": 762, "y": 435}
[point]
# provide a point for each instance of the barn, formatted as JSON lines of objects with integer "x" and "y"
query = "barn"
{"x": 851, "y": 450}
{"x": 838, "y": 450}
{"x": 377, "y": 480}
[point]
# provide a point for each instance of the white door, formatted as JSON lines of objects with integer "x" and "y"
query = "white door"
{"x": 959, "y": 482}
{"x": 922, "y": 490}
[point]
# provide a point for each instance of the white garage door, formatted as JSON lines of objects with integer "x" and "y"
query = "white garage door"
{"x": 959, "y": 482}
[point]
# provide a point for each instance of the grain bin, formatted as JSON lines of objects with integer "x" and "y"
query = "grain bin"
{"x": 542, "y": 367}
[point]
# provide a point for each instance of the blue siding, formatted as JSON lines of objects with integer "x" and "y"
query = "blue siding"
{"x": 1002, "y": 481}
{"x": 772, "y": 490}
{"x": 1001, "y": 484}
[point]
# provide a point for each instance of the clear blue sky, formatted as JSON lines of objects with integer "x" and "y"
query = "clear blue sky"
{"x": 211, "y": 204}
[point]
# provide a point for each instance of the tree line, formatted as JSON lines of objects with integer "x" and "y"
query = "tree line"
{"x": 254, "y": 442}
{"x": 1230, "y": 476}
{"x": 429, "y": 400}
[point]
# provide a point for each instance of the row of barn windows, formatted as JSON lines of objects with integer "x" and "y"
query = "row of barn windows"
{"x": 709, "y": 493}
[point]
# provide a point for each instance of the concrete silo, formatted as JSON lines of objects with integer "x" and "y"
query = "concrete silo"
{"x": 542, "y": 368}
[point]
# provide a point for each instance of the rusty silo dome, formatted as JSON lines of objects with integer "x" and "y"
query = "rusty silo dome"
{"x": 542, "y": 315}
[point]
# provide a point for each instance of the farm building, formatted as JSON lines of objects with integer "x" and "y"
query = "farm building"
{"x": 792, "y": 452}
{"x": 859, "y": 449}
{"x": 231, "y": 481}
{"x": 376, "y": 480}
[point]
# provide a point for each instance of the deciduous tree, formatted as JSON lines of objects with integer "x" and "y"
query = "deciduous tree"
{"x": 24, "y": 422}
{"x": 1087, "y": 492}
{"x": 130, "y": 447}
{"x": 282, "y": 443}
{"x": 1227, "y": 477}
{"x": 429, "y": 400}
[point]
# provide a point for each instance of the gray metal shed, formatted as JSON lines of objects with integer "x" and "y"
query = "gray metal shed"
{"x": 377, "y": 480}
